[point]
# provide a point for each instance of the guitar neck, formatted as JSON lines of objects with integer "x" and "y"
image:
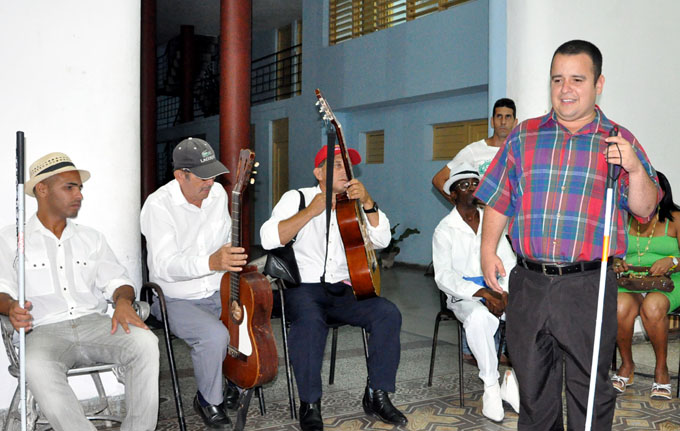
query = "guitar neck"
{"x": 343, "y": 149}
{"x": 235, "y": 239}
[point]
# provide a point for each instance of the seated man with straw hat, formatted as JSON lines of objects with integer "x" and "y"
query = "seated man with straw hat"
{"x": 71, "y": 272}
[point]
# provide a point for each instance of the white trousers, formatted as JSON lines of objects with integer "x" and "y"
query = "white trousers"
{"x": 480, "y": 326}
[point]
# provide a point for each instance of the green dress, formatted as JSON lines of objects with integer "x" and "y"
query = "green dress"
{"x": 659, "y": 247}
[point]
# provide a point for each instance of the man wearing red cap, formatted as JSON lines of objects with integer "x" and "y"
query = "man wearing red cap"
{"x": 313, "y": 303}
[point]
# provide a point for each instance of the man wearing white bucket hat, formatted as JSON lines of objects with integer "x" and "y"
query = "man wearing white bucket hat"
{"x": 71, "y": 272}
{"x": 456, "y": 247}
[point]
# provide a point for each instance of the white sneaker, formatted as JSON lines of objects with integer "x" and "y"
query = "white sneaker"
{"x": 492, "y": 404}
{"x": 510, "y": 390}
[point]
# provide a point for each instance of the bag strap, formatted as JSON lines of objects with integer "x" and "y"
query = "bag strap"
{"x": 302, "y": 206}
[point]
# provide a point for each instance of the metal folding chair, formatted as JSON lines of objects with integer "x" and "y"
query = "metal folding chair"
{"x": 99, "y": 411}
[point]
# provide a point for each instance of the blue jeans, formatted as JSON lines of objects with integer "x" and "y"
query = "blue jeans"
{"x": 53, "y": 349}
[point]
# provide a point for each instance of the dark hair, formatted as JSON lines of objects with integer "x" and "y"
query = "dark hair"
{"x": 666, "y": 206}
{"x": 505, "y": 103}
{"x": 574, "y": 47}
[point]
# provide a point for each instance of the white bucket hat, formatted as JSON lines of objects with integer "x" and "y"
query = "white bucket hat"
{"x": 49, "y": 165}
{"x": 461, "y": 171}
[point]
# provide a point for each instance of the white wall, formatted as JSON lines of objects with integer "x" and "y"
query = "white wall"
{"x": 638, "y": 41}
{"x": 70, "y": 81}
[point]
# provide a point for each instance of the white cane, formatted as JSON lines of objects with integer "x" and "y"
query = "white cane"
{"x": 603, "y": 279}
{"x": 21, "y": 273}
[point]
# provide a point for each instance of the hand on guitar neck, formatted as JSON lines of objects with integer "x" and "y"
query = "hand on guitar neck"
{"x": 228, "y": 258}
{"x": 356, "y": 190}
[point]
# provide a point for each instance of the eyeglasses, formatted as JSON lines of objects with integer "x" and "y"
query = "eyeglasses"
{"x": 466, "y": 184}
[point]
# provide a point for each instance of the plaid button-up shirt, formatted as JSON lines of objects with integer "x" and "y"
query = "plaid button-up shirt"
{"x": 552, "y": 185}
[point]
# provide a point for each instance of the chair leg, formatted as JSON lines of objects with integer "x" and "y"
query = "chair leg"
{"x": 614, "y": 358}
{"x": 364, "y": 337}
{"x": 434, "y": 347}
{"x": 460, "y": 364}
{"x": 171, "y": 360}
{"x": 286, "y": 357}
{"x": 501, "y": 341}
{"x": 260, "y": 396}
{"x": 334, "y": 348}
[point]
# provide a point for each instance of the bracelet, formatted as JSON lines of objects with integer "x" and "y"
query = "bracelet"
{"x": 675, "y": 262}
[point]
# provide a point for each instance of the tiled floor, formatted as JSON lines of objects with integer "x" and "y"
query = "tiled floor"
{"x": 428, "y": 408}
{"x": 435, "y": 407}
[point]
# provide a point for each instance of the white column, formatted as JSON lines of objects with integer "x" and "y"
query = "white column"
{"x": 70, "y": 81}
{"x": 640, "y": 63}
{"x": 497, "y": 53}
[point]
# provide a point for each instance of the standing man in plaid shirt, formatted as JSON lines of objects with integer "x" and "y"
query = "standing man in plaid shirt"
{"x": 549, "y": 181}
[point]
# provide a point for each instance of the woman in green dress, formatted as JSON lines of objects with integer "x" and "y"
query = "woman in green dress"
{"x": 656, "y": 245}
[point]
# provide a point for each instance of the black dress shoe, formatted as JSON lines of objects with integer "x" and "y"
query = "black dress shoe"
{"x": 213, "y": 416}
{"x": 380, "y": 406}
{"x": 310, "y": 416}
{"x": 231, "y": 397}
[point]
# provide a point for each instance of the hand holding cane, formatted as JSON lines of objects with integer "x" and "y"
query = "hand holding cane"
{"x": 603, "y": 278}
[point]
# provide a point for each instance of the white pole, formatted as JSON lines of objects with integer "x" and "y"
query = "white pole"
{"x": 21, "y": 273}
{"x": 603, "y": 281}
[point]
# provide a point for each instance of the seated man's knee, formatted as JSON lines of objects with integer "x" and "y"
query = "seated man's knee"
{"x": 481, "y": 317}
{"x": 144, "y": 341}
{"x": 386, "y": 310}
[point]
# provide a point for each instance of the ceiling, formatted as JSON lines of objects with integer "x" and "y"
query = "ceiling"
{"x": 204, "y": 15}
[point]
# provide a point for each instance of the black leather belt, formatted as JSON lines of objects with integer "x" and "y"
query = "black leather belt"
{"x": 560, "y": 268}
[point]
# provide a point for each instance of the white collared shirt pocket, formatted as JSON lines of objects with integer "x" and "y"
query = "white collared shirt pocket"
{"x": 84, "y": 273}
{"x": 39, "y": 272}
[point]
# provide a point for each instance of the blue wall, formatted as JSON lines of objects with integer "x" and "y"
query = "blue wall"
{"x": 401, "y": 80}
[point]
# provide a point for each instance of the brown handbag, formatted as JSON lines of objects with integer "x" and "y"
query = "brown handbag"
{"x": 637, "y": 279}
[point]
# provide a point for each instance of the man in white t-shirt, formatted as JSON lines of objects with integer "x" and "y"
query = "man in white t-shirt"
{"x": 479, "y": 154}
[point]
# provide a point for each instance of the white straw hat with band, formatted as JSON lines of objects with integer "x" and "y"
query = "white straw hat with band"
{"x": 49, "y": 165}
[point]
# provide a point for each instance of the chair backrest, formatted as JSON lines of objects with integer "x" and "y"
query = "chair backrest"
{"x": 7, "y": 333}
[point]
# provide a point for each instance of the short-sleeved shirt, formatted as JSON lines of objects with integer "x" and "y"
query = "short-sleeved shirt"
{"x": 479, "y": 154}
{"x": 552, "y": 185}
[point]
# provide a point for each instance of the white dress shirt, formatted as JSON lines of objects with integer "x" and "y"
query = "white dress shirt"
{"x": 456, "y": 252}
{"x": 67, "y": 277}
{"x": 180, "y": 237}
{"x": 310, "y": 245}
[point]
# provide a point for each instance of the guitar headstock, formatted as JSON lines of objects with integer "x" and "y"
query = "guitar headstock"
{"x": 328, "y": 116}
{"x": 324, "y": 108}
{"x": 244, "y": 169}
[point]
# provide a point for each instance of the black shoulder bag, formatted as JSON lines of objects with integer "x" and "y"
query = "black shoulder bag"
{"x": 281, "y": 261}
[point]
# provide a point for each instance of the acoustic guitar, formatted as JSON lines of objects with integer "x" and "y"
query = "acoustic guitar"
{"x": 251, "y": 357}
{"x": 362, "y": 262}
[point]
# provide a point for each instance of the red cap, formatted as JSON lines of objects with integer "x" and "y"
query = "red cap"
{"x": 354, "y": 156}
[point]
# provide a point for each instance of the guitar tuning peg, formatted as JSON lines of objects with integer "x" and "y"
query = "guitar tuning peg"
{"x": 254, "y": 172}
{"x": 256, "y": 164}
{"x": 317, "y": 103}
{"x": 252, "y": 181}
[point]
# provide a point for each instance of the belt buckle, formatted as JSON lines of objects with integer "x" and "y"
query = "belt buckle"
{"x": 559, "y": 270}
{"x": 544, "y": 269}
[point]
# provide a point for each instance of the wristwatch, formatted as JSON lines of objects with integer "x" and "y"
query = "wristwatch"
{"x": 675, "y": 261}
{"x": 371, "y": 210}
